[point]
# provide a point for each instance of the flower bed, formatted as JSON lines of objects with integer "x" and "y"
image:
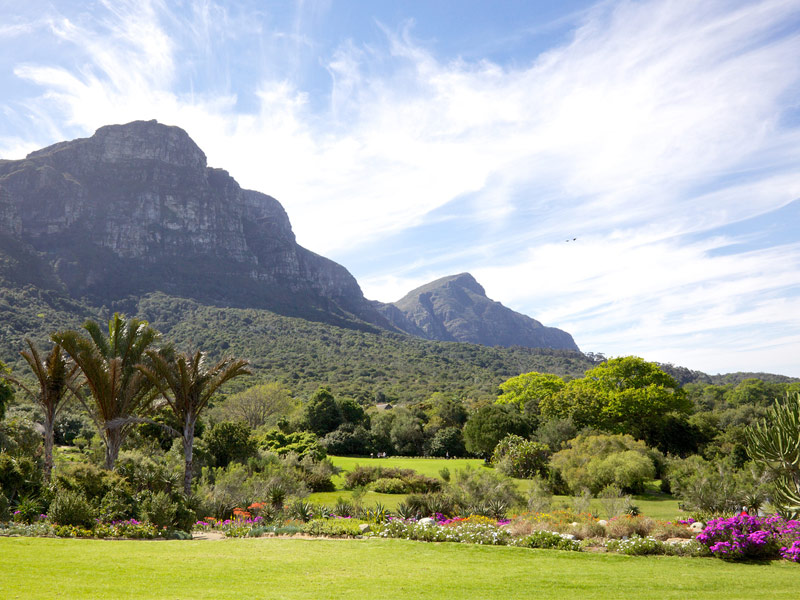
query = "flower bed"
{"x": 751, "y": 537}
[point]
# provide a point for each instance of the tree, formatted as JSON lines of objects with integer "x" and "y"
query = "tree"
{"x": 258, "y": 405}
{"x": 622, "y": 395}
{"x": 228, "y": 442}
{"x": 775, "y": 443}
{"x": 187, "y": 385}
{"x": 108, "y": 363}
{"x": 490, "y": 424}
{"x": 57, "y": 379}
{"x": 322, "y": 413}
{"x": 528, "y": 388}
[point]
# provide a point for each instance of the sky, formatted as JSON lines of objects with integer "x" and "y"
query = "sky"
{"x": 412, "y": 140}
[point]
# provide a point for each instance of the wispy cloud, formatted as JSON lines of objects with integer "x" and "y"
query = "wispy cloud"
{"x": 651, "y": 121}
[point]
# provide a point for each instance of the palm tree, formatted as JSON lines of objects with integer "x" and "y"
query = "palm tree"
{"x": 57, "y": 377}
{"x": 187, "y": 384}
{"x": 108, "y": 364}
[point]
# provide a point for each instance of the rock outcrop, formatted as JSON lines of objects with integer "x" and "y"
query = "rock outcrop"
{"x": 135, "y": 209}
{"x": 456, "y": 308}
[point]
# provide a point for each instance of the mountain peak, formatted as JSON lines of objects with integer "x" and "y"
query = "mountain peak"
{"x": 456, "y": 308}
{"x": 136, "y": 141}
{"x": 464, "y": 281}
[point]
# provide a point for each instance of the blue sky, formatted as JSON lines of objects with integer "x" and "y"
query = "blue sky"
{"x": 413, "y": 140}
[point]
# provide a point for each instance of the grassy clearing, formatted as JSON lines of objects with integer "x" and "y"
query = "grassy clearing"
{"x": 297, "y": 569}
{"x": 653, "y": 503}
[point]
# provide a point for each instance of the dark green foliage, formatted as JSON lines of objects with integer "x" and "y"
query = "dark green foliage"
{"x": 89, "y": 480}
{"x": 349, "y": 441}
{"x": 446, "y": 442}
{"x": 321, "y": 413}
{"x": 490, "y": 424}
{"x": 71, "y": 507}
{"x": 20, "y": 477}
{"x": 228, "y": 442}
{"x": 351, "y": 411}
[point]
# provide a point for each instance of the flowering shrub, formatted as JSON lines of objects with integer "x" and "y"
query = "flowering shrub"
{"x": 745, "y": 536}
{"x": 130, "y": 529}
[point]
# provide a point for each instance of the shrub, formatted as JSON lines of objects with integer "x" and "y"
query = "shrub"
{"x": 389, "y": 485}
{"x": 472, "y": 487}
{"x": 159, "y": 509}
{"x": 72, "y": 508}
{"x": 595, "y": 461}
{"x": 517, "y": 457}
{"x": 89, "y": 479}
{"x": 716, "y": 488}
{"x": 300, "y": 443}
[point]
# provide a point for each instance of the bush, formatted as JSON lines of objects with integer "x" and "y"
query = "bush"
{"x": 472, "y": 488}
{"x": 637, "y": 545}
{"x": 716, "y": 488}
{"x": 389, "y": 485}
{"x": 595, "y": 461}
{"x": 89, "y": 479}
{"x": 517, "y": 457}
{"x": 72, "y": 508}
{"x": 300, "y": 443}
{"x": 160, "y": 510}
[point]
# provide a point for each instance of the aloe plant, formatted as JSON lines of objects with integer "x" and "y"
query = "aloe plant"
{"x": 775, "y": 442}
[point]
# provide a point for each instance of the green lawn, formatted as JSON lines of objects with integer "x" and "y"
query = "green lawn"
{"x": 293, "y": 569}
{"x": 654, "y": 504}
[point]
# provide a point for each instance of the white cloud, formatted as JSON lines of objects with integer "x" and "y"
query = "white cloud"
{"x": 654, "y": 120}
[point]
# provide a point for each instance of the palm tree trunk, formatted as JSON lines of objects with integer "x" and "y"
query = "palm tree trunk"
{"x": 113, "y": 442}
{"x": 49, "y": 442}
{"x": 188, "y": 444}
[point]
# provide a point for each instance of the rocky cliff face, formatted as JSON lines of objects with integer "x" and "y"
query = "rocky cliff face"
{"x": 135, "y": 208}
{"x": 456, "y": 308}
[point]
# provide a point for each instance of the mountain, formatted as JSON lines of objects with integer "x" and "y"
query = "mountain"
{"x": 456, "y": 308}
{"x": 135, "y": 209}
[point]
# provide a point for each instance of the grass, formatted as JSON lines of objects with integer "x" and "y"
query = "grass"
{"x": 652, "y": 503}
{"x": 289, "y": 569}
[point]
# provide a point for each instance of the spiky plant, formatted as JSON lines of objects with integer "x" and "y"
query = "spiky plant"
{"x": 58, "y": 379}
{"x": 775, "y": 442}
